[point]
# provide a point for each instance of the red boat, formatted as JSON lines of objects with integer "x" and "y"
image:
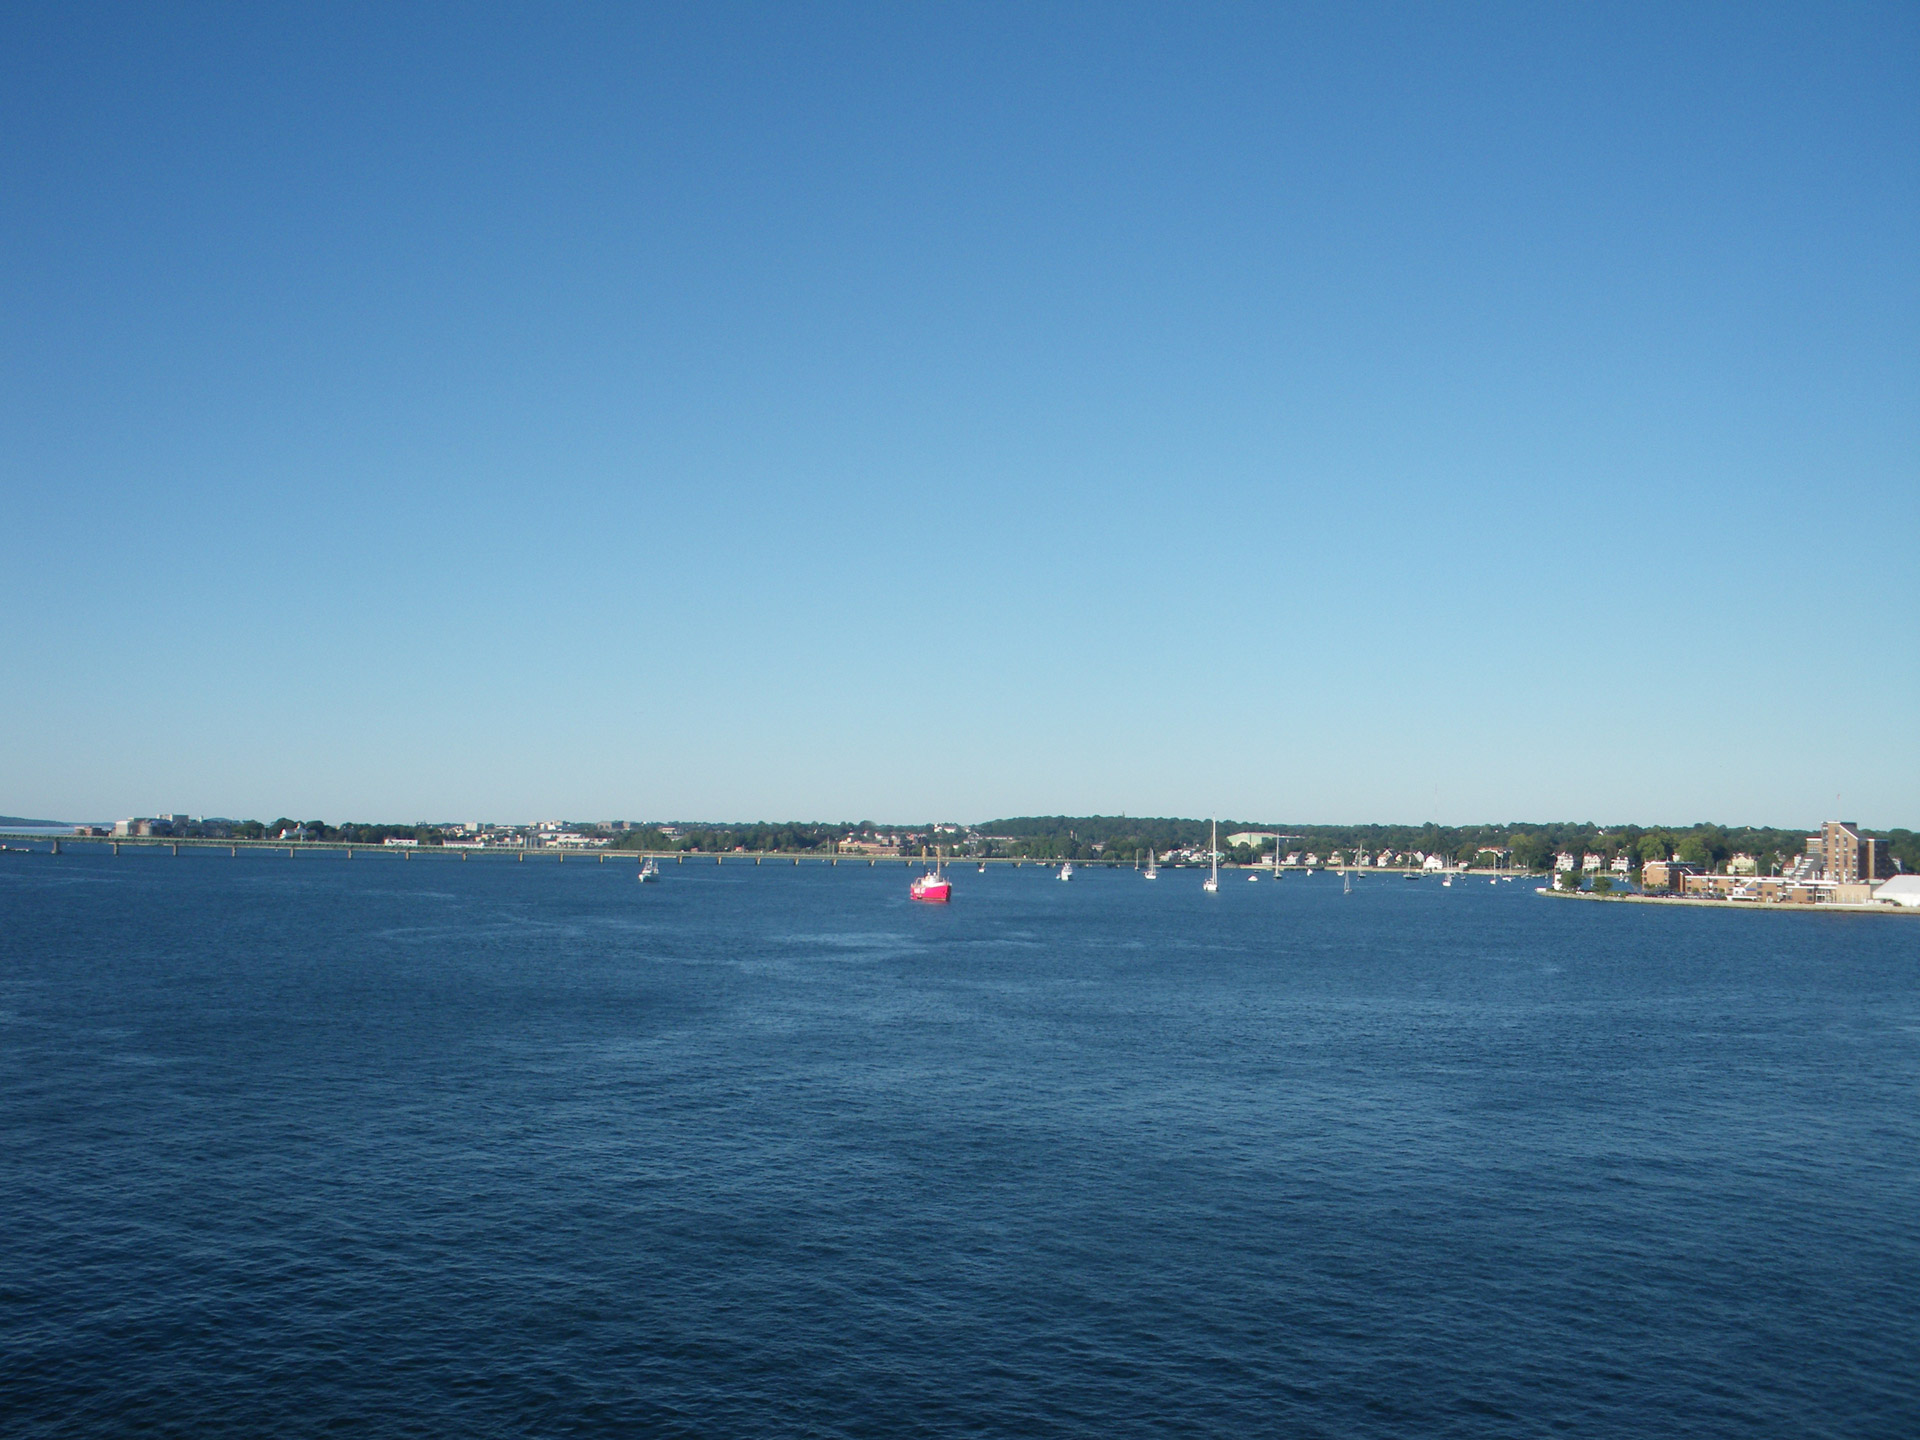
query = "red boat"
{"x": 933, "y": 887}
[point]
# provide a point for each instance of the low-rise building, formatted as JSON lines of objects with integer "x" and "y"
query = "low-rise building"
{"x": 1664, "y": 874}
{"x": 1900, "y": 890}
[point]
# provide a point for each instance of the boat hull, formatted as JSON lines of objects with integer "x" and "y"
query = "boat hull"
{"x": 930, "y": 891}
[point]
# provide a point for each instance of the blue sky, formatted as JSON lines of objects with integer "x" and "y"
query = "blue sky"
{"x": 1323, "y": 413}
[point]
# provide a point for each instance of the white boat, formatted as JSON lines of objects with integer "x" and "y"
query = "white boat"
{"x": 1153, "y": 868}
{"x": 1212, "y": 883}
{"x": 649, "y": 870}
{"x": 1066, "y": 871}
{"x": 1253, "y": 879}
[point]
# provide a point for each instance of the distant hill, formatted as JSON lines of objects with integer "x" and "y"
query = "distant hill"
{"x": 18, "y": 820}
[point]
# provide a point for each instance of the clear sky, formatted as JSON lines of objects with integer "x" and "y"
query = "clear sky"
{"x": 1323, "y": 412}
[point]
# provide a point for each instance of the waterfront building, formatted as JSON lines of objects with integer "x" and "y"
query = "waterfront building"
{"x": 1665, "y": 874}
{"x": 1846, "y": 856}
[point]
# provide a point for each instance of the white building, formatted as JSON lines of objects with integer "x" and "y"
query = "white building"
{"x": 1900, "y": 890}
{"x": 1562, "y": 862}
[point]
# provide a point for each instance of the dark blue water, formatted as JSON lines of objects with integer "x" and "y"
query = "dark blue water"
{"x": 296, "y": 1147}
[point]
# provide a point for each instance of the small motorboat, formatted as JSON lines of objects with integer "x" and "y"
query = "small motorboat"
{"x": 1066, "y": 871}
{"x": 649, "y": 870}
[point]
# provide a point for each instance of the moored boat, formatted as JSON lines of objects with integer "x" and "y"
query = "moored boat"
{"x": 933, "y": 887}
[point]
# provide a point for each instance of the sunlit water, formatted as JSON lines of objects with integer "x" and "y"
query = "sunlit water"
{"x": 375, "y": 1147}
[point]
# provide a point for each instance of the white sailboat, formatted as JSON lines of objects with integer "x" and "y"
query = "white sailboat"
{"x": 1212, "y": 883}
{"x": 1153, "y": 868}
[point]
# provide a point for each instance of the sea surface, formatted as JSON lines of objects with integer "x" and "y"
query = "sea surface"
{"x": 312, "y": 1146}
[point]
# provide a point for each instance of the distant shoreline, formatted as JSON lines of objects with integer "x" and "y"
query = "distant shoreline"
{"x": 1742, "y": 905}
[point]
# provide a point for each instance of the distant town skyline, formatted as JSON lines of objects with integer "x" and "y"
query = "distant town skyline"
{"x": 1343, "y": 411}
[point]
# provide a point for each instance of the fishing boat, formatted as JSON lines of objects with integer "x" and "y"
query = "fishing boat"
{"x": 933, "y": 887}
{"x": 649, "y": 870}
{"x": 1153, "y": 869}
{"x": 1212, "y": 883}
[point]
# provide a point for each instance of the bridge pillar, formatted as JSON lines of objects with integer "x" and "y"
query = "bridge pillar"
{"x": 349, "y": 852}
{"x": 756, "y": 859}
{"x": 56, "y": 847}
{"x": 523, "y": 857}
{"x": 116, "y": 847}
{"x": 176, "y": 849}
{"x": 796, "y": 860}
